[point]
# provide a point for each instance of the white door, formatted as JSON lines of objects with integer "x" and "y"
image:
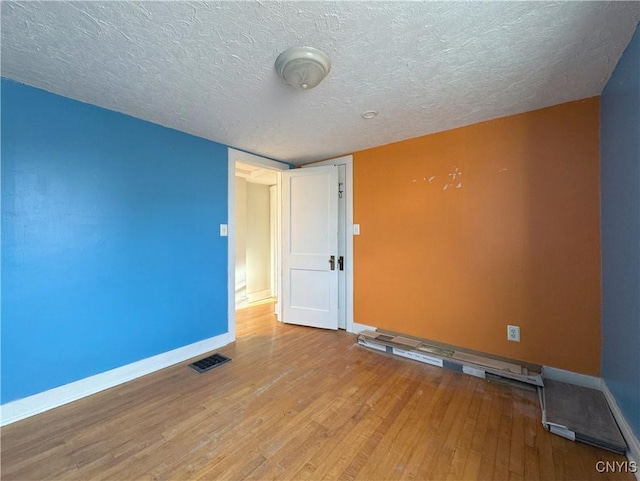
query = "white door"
{"x": 310, "y": 246}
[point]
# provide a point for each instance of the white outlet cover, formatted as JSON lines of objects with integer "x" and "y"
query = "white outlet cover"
{"x": 224, "y": 230}
{"x": 513, "y": 333}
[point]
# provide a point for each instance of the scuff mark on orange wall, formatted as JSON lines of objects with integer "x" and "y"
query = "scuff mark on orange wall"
{"x": 468, "y": 230}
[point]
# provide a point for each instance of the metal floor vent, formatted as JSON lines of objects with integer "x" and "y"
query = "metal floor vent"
{"x": 208, "y": 363}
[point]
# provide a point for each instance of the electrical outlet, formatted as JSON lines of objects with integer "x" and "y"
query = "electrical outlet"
{"x": 513, "y": 333}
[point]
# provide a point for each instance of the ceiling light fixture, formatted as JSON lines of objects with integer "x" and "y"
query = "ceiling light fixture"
{"x": 369, "y": 114}
{"x": 303, "y": 67}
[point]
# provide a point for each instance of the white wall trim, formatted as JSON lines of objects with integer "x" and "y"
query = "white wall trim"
{"x": 357, "y": 328}
{"x": 633, "y": 453}
{"x": 570, "y": 377}
{"x": 278, "y": 272}
{"x": 253, "y": 159}
{"x": 41, "y": 402}
{"x": 231, "y": 244}
{"x": 259, "y": 295}
{"x": 274, "y": 227}
{"x": 241, "y": 302}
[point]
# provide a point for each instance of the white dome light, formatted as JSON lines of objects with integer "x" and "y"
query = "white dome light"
{"x": 303, "y": 67}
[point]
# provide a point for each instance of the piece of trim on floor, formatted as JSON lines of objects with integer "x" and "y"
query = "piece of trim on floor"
{"x": 413, "y": 349}
{"x": 529, "y": 366}
{"x": 41, "y": 402}
{"x": 358, "y": 328}
{"x": 574, "y": 378}
{"x": 633, "y": 445}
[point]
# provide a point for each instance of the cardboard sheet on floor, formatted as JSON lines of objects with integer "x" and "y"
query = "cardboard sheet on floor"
{"x": 506, "y": 366}
{"x": 472, "y": 364}
{"x": 580, "y": 414}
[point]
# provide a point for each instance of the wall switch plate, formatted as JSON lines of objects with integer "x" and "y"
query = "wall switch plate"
{"x": 513, "y": 333}
{"x": 224, "y": 232}
{"x": 356, "y": 229}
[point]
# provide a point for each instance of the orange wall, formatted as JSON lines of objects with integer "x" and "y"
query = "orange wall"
{"x": 513, "y": 239}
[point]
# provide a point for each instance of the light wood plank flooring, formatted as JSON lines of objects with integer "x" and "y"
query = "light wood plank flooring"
{"x": 298, "y": 403}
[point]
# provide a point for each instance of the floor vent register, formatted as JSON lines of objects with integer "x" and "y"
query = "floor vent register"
{"x": 208, "y": 363}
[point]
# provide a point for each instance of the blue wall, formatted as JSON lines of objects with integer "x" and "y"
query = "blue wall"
{"x": 620, "y": 181}
{"x": 110, "y": 240}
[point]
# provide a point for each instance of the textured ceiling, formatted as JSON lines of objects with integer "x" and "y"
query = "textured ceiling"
{"x": 207, "y": 67}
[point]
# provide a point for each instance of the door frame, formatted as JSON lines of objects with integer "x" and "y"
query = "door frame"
{"x": 234, "y": 156}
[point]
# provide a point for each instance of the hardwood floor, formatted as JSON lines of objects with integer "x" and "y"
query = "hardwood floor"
{"x": 298, "y": 403}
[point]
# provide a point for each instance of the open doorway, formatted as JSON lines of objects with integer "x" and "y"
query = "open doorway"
{"x": 345, "y": 191}
{"x": 256, "y": 240}
{"x": 237, "y": 156}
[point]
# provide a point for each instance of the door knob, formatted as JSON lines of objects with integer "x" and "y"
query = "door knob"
{"x": 332, "y": 263}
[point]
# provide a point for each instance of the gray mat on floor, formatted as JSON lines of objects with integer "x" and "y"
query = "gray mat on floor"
{"x": 581, "y": 414}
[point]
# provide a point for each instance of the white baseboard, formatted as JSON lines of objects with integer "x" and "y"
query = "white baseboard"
{"x": 574, "y": 378}
{"x": 38, "y": 403}
{"x": 633, "y": 453}
{"x": 242, "y": 302}
{"x": 357, "y": 328}
{"x": 258, "y": 296}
